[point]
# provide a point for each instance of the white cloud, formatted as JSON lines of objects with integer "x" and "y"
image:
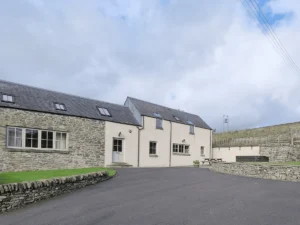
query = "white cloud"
{"x": 206, "y": 57}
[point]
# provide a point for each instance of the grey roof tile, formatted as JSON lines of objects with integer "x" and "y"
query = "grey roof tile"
{"x": 147, "y": 109}
{"x": 41, "y": 100}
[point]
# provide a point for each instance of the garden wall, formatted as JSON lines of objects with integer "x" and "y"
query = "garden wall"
{"x": 16, "y": 195}
{"x": 275, "y": 172}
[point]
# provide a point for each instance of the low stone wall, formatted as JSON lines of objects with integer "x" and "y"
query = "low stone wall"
{"x": 16, "y": 195}
{"x": 274, "y": 172}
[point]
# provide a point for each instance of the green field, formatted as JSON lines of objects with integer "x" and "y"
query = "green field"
{"x": 15, "y": 177}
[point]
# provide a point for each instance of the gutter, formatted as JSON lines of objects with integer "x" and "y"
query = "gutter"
{"x": 170, "y": 163}
{"x": 139, "y": 135}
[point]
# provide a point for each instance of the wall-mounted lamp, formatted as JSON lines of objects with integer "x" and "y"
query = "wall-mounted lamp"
{"x": 183, "y": 140}
{"x": 120, "y": 134}
{"x": 130, "y": 131}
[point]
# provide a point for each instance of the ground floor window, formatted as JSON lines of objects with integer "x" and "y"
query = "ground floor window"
{"x": 34, "y": 138}
{"x": 181, "y": 148}
{"x": 152, "y": 148}
{"x": 202, "y": 150}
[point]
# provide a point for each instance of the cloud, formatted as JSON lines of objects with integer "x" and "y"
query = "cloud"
{"x": 205, "y": 57}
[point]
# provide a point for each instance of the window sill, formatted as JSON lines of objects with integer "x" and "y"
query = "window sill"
{"x": 159, "y": 128}
{"x": 203, "y": 155}
{"x": 192, "y": 133}
{"x": 183, "y": 154}
{"x": 38, "y": 150}
{"x": 153, "y": 155}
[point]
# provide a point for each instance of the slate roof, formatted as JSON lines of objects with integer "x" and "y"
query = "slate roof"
{"x": 147, "y": 109}
{"x": 41, "y": 100}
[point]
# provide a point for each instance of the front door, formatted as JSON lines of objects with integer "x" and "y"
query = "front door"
{"x": 117, "y": 150}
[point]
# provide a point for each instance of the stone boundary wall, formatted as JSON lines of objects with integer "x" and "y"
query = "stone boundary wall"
{"x": 274, "y": 172}
{"x": 16, "y": 195}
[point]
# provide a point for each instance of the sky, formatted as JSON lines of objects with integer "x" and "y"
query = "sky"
{"x": 207, "y": 57}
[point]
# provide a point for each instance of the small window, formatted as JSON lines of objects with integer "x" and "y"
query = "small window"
{"x": 152, "y": 148}
{"x": 47, "y": 139}
{"x": 190, "y": 122}
{"x": 14, "y": 138}
{"x": 61, "y": 140}
{"x": 176, "y": 118}
{"x": 60, "y": 106}
{"x": 157, "y": 115}
{"x": 31, "y": 138}
{"x": 104, "y": 112}
{"x": 7, "y": 98}
{"x": 186, "y": 149}
{"x": 159, "y": 123}
{"x": 192, "y": 129}
{"x": 202, "y": 150}
{"x": 175, "y": 148}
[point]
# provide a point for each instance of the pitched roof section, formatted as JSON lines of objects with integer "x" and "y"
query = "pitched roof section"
{"x": 147, "y": 109}
{"x": 37, "y": 99}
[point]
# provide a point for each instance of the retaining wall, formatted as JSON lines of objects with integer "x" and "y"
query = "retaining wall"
{"x": 275, "y": 172}
{"x": 16, "y": 195}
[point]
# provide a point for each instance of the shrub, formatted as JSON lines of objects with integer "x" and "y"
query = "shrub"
{"x": 196, "y": 162}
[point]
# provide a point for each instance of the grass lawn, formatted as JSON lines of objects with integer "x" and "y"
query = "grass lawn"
{"x": 14, "y": 177}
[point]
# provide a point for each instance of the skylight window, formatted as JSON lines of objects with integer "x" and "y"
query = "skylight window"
{"x": 190, "y": 122}
{"x": 60, "y": 106}
{"x": 104, "y": 112}
{"x": 176, "y": 118}
{"x": 157, "y": 115}
{"x": 7, "y": 98}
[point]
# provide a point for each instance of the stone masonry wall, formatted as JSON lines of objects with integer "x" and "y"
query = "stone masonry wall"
{"x": 86, "y": 142}
{"x": 275, "y": 172}
{"x": 281, "y": 152}
{"x": 16, "y": 195}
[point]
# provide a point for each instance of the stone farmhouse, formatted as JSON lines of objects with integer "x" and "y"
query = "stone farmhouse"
{"x": 42, "y": 129}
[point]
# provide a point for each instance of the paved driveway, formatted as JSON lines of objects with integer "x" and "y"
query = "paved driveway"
{"x": 169, "y": 196}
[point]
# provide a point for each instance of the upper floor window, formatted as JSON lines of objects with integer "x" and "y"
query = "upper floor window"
{"x": 152, "y": 148}
{"x": 37, "y": 139}
{"x": 202, "y": 150}
{"x": 192, "y": 129}
{"x": 158, "y": 123}
{"x": 104, "y": 112}
{"x": 7, "y": 98}
{"x": 176, "y": 118}
{"x": 60, "y": 106}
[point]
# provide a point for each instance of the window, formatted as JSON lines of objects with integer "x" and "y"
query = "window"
{"x": 157, "y": 115}
{"x": 202, "y": 150}
{"x": 60, "y": 106}
{"x": 175, "y": 147}
{"x": 159, "y": 123}
{"x": 190, "y": 122}
{"x": 7, "y": 98}
{"x": 117, "y": 147}
{"x": 192, "y": 129}
{"x": 37, "y": 139}
{"x": 104, "y": 112}
{"x": 152, "y": 148}
{"x": 61, "y": 140}
{"x": 47, "y": 139}
{"x": 31, "y": 138}
{"x": 176, "y": 118}
{"x": 14, "y": 137}
{"x": 181, "y": 148}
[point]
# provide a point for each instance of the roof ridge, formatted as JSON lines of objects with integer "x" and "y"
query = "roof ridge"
{"x": 43, "y": 89}
{"x": 161, "y": 106}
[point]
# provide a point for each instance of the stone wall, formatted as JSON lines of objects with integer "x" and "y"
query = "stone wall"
{"x": 16, "y": 195}
{"x": 275, "y": 172}
{"x": 281, "y": 152}
{"x": 86, "y": 142}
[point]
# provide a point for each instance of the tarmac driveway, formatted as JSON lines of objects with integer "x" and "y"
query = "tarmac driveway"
{"x": 169, "y": 196}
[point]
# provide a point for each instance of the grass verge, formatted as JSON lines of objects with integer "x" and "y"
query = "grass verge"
{"x": 15, "y": 177}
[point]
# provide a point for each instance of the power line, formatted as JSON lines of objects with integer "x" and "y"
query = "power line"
{"x": 269, "y": 32}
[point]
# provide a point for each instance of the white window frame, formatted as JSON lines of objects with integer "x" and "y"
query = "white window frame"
{"x": 185, "y": 148}
{"x": 150, "y": 148}
{"x": 104, "y": 111}
{"x": 60, "y": 106}
{"x": 39, "y": 139}
{"x": 7, "y": 98}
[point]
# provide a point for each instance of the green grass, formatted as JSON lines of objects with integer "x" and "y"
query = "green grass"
{"x": 15, "y": 177}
